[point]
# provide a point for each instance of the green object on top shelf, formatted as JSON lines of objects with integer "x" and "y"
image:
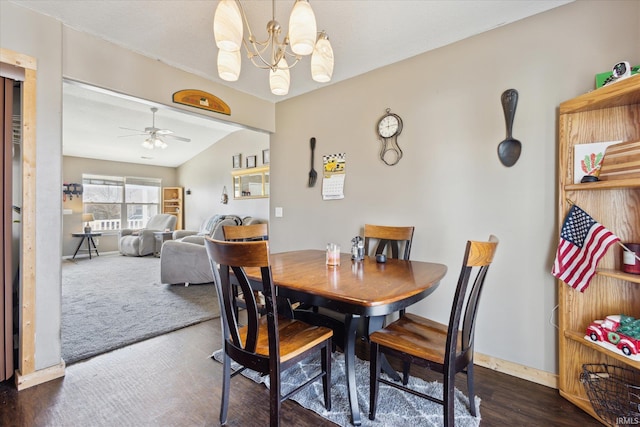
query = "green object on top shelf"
{"x": 603, "y": 78}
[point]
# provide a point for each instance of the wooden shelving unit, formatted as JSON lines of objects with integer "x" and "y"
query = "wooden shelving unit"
{"x": 611, "y": 113}
{"x": 172, "y": 203}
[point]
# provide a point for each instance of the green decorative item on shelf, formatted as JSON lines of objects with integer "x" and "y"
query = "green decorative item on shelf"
{"x": 620, "y": 71}
{"x": 629, "y": 326}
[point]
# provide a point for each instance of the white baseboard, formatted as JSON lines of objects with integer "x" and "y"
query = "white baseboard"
{"x": 525, "y": 372}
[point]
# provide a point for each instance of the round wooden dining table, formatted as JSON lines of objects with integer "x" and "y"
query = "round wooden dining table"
{"x": 355, "y": 288}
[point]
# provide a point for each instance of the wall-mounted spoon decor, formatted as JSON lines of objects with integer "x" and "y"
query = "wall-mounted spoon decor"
{"x": 509, "y": 149}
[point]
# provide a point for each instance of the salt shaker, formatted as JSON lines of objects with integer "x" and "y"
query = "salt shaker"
{"x": 357, "y": 248}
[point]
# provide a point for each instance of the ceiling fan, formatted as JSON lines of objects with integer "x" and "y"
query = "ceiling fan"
{"x": 155, "y": 135}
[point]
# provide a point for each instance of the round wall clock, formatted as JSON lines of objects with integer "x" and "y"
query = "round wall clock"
{"x": 389, "y": 127}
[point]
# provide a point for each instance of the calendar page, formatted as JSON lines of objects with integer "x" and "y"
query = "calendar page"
{"x": 333, "y": 176}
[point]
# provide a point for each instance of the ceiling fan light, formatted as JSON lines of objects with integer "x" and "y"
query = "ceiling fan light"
{"x": 157, "y": 142}
{"x": 279, "y": 78}
{"x": 322, "y": 60}
{"x": 302, "y": 28}
{"x": 147, "y": 144}
{"x": 229, "y": 64}
{"x": 227, "y": 26}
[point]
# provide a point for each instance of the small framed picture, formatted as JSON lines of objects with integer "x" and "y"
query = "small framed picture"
{"x": 265, "y": 157}
{"x": 251, "y": 161}
{"x": 237, "y": 161}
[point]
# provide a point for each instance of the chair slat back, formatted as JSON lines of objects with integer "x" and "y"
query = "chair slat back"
{"x": 226, "y": 257}
{"x": 477, "y": 259}
{"x": 246, "y": 232}
{"x": 397, "y": 239}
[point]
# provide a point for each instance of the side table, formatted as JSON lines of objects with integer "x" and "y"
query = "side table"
{"x": 161, "y": 237}
{"x": 90, "y": 242}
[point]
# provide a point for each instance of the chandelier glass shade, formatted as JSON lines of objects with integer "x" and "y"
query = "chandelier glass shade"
{"x": 302, "y": 39}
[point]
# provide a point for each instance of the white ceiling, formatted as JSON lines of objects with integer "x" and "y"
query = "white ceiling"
{"x": 93, "y": 119}
{"x": 365, "y": 35}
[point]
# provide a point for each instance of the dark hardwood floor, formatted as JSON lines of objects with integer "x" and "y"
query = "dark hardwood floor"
{"x": 171, "y": 381}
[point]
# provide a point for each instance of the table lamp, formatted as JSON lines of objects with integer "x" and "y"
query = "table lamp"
{"x": 87, "y": 218}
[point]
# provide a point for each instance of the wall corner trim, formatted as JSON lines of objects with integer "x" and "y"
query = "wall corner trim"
{"x": 40, "y": 376}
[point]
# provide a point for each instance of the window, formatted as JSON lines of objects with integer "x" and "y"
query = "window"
{"x": 120, "y": 202}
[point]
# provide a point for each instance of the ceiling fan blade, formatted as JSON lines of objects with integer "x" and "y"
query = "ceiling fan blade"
{"x": 135, "y": 130}
{"x": 134, "y": 134}
{"x": 179, "y": 138}
{"x": 163, "y": 131}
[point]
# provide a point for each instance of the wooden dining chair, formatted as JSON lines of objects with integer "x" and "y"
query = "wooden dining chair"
{"x": 444, "y": 348}
{"x": 394, "y": 242}
{"x": 246, "y": 233}
{"x": 267, "y": 344}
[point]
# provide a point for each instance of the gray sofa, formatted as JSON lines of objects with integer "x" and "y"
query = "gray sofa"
{"x": 142, "y": 242}
{"x": 184, "y": 259}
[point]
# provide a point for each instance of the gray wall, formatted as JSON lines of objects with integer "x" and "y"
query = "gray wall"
{"x": 450, "y": 184}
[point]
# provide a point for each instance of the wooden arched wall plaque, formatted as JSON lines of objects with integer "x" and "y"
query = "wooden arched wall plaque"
{"x": 200, "y": 99}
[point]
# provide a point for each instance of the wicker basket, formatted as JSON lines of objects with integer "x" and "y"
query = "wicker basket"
{"x": 614, "y": 392}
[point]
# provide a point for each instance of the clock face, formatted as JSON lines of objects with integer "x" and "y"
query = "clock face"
{"x": 388, "y": 126}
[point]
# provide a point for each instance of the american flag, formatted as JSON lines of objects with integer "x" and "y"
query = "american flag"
{"x": 583, "y": 242}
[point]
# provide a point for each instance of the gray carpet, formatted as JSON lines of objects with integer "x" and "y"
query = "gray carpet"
{"x": 112, "y": 301}
{"x": 395, "y": 407}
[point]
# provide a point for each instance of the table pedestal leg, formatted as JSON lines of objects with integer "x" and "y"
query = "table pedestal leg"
{"x": 351, "y": 324}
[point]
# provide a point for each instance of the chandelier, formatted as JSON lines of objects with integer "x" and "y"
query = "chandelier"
{"x": 274, "y": 54}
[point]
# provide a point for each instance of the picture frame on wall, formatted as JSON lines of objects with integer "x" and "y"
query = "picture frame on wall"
{"x": 237, "y": 161}
{"x": 251, "y": 161}
{"x": 265, "y": 157}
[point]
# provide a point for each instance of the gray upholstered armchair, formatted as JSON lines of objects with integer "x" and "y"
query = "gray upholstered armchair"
{"x": 142, "y": 242}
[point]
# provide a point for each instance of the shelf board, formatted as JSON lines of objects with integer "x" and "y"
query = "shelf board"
{"x": 617, "y": 274}
{"x": 579, "y": 337}
{"x": 624, "y": 92}
{"x": 605, "y": 185}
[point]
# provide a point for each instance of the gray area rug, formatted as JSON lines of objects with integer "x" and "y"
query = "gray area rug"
{"x": 395, "y": 407}
{"x": 112, "y": 301}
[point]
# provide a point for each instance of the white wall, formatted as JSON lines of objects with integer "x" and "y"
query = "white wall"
{"x": 40, "y": 37}
{"x": 207, "y": 173}
{"x": 450, "y": 184}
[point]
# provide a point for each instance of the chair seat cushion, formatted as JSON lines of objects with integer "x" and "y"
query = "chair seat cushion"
{"x": 415, "y": 335}
{"x": 296, "y": 337}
